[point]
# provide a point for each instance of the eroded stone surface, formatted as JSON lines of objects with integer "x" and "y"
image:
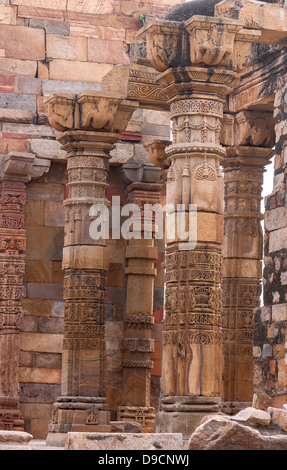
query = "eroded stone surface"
{"x": 221, "y": 433}
{"x": 113, "y": 441}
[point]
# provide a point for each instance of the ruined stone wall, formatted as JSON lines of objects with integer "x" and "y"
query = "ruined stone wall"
{"x": 270, "y": 385}
{"x": 67, "y": 46}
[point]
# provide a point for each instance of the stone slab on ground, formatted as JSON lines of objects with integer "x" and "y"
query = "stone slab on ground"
{"x": 122, "y": 441}
{"x": 15, "y": 440}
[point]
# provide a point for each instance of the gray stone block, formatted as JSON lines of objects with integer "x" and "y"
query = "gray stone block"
{"x": 54, "y": 86}
{"x": 51, "y": 27}
{"x": 18, "y": 101}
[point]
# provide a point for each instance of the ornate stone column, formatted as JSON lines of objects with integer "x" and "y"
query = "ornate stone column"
{"x": 195, "y": 59}
{"x": 137, "y": 343}
{"x": 249, "y": 138}
{"x": 16, "y": 170}
{"x": 91, "y": 124}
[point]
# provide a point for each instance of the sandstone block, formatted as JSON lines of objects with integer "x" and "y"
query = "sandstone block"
{"x": 50, "y": 325}
{"x": 50, "y": 149}
{"x": 34, "y": 213}
{"x": 8, "y": 14}
{"x": 253, "y": 416}
{"x": 96, "y": 7}
{"x": 57, "y": 308}
{"x": 18, "y": 67}
{"x": 98, "y": 32}
{"x": 114, "y": 441}
{"x": 36, "y": 307}
{"x": 53, "y": 4}
{"x": 107, "y": 52}
{"x": 54, "y": 214}
{"x": 50, "y": 241}
{"x": 24, "y": 43}
{"x": 276, "y": 218}
{"x": 7, "y": 83}
{"x": 48, "y": 361}
{"x": 279, "y": 313}
{"x": 78, "y": 71}
{"x": 220, "y": 433}
{"x": 39, "y": 375}
{"x": 122, "y": 153}
{"x": 32, "y": 130}
{"x": 39, "y": 393}
{"x": 278, "y": 417}
{"x": 45, "y": 290}
{"x": 68, "y": 48}
{"x": 42, "y": 191}
{"x": 15, "y": 440}
{"x": 134, "y": 9}
{"x": 17, "y": 115}
{"x": 36, "y": 411}
{"x": 41, "y": 342}
{"x": 277, "y": 240}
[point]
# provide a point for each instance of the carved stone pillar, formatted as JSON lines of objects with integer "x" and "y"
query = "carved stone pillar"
{"x": 17, "y": 170}
{"x": 197, "y": 67}
{"x": 137, "y": 343}
{"x": 244, "y": 167}
{"x": 91, "y": 123}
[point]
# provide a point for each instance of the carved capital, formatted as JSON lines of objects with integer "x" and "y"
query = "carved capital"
{"x": 156, "y": 153}
{"x": 94, "y": 111}
{"x": 201, "y": 40}
{"x": 22, "y": 167}
{"x": 248, "y": 128}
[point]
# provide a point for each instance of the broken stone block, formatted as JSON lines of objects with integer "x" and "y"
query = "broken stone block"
{"x": 14, "y": 440}
{"x": 278, "y": 417}
{"x": 221, "y": 433}
{"x": 253, "y": 416}
{"x": 122, "y": 441}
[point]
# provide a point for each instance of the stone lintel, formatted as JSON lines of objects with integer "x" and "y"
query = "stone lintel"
{"x": 22, "y": 166}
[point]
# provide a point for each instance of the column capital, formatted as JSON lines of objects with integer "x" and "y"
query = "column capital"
{"x": 156, "y": 153}
{"x": 248, "y": 128}
{"x": 91, "y": 111}
{"x": 22, "y": 167}
{"x": 197, "y": 54}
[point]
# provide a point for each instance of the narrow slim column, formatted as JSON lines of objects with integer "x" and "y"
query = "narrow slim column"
{"x": 12, "y": 269}
{"x": 91, "y": 124}
{"x": 137, "y": 343}
{"x": 244, "y": 167}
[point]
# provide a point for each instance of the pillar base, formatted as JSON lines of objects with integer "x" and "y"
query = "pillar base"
{"x": 144, "y": 415}
{"x": 77, "y": 414}
{"x": 11, "y": 418}
{"x": 233, "y": 407}
{"x": 183, "y": 414}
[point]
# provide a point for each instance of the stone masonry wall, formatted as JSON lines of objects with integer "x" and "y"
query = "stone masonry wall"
{"x": 67, "y": 46}
{"x": 270, "y": 385}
